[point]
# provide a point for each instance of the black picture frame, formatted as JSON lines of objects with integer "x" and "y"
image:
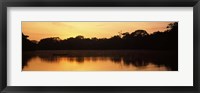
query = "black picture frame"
{"x": 98, "y": 3}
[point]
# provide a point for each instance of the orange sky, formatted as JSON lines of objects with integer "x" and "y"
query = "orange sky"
{"x": 39, "y": 30}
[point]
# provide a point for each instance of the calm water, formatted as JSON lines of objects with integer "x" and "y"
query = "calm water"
{"x": 100, "y": 60}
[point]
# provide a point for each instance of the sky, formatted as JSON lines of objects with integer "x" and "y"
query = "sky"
{"x": 64, "y": 30}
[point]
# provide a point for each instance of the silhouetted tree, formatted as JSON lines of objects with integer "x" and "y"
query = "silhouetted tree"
{"x": 52, "y": 43}
{"x": 139, "y": 39}
{"x": 139, "y": 33}
{"x": 79, "y": 37}
{"x": 27, "y": 44}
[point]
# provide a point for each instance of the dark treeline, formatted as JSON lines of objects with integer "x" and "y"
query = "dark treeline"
{"x": 139, "y": 39}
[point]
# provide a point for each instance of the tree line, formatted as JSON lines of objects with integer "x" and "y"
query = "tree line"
{"x": 139, "y": 39}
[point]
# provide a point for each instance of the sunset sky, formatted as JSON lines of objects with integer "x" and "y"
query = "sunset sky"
{"x": 39, "y": 30}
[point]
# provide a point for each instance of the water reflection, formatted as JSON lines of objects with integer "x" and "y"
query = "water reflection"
{"x": 100, "y": 61}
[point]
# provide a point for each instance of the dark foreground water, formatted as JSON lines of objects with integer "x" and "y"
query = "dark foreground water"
{"x": 100, "y": 60}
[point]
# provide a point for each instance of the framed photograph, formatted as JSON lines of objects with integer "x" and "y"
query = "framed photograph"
{"x": 139, "y": 46}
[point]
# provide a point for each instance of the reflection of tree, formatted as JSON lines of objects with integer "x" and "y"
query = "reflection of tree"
{"x": 49, "y": 58}
{"x": 80, "y": 59}
{"x": 116, "y": 59}
{"x": 138, "y": 59}
{"x": 26, "y": 59}
{"x": 139, "y": 39}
